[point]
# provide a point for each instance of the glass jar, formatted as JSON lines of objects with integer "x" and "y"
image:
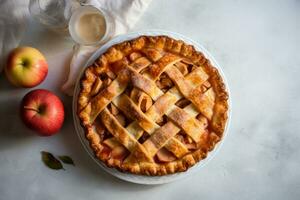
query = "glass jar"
{"x": 86, "y": 11}
{"x": 54, "y": 14}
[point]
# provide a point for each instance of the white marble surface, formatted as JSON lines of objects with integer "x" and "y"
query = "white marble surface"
{"x": 256, "y": 42}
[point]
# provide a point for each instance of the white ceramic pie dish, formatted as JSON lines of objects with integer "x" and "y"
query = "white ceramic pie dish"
{"x": 141, "y": 179}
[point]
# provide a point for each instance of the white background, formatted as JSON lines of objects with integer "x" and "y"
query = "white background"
{"x": 256, "y": 42}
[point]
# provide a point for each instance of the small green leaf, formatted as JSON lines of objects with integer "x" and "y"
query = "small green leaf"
{"x": 50, "y": 161}
{"x": 67, "y": 160}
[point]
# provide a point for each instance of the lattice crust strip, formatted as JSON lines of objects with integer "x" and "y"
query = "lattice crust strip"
{"x": 136, "y": 67}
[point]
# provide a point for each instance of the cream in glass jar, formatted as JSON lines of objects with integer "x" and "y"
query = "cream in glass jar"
{"x": 89, "y": 26}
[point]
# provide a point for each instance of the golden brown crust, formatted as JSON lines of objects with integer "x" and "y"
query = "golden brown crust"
{"x": 115, "y": 63}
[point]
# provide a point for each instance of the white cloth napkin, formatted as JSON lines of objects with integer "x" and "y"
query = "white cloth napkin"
{"x": 13, "y": 18}
{"x": 125, "y": 14}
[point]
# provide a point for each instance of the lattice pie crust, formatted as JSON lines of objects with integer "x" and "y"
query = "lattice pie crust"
{"x": 153, "y": 106}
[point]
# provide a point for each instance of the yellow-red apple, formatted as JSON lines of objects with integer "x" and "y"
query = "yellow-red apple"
{"x": 43, "y": 112}
{"x": 26, "y": 67}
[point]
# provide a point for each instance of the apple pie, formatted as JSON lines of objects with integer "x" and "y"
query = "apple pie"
{"x": 152, "y": 105}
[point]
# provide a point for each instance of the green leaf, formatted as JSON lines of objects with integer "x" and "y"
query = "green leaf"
{"x": 67, "y": 160}
{"x": 50, "y": 161}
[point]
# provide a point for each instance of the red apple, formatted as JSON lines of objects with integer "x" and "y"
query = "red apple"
{"x": 26, "y": 67}
{"x": 42, "y": 111}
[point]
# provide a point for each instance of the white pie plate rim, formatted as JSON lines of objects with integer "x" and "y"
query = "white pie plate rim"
{"x": 141, "y": 179}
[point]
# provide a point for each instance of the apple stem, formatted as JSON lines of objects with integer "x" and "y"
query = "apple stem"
{"x": 30, "y": 108}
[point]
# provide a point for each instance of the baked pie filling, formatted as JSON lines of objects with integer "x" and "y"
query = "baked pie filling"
{"x": 152, "y": 106}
